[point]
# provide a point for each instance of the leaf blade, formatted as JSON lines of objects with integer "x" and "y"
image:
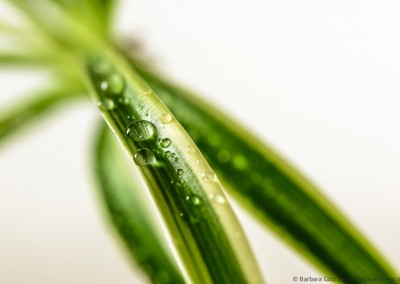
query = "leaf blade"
{"x": 275, "y": 200}
{"x": 127, "y": 211}
{"x": 208, "y": 238}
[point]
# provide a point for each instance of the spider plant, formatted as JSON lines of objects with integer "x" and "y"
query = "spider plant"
{"x": 174, "y": 217}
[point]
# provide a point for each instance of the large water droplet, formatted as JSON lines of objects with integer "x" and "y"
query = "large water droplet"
{"x": 106, "y": 104}
{"x": 144, "y": 157}
{"x": 113, "y": 85}
{"x": 165, "y": 142}
{"x": 166, "y": 118}
{"x": 140, "y": 130}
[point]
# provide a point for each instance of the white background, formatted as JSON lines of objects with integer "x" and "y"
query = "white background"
{"x": 318, "y": 80}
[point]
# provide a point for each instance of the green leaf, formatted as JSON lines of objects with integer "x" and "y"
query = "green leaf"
{"x": 21, "y": 59}
{"x": 28, "y": 110}
{"x": 129, "y": 212}
{"x": 206, "y": 236}
{"x": 275, "y": 192}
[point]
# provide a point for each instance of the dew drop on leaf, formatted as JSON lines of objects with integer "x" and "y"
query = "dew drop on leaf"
{"x": 193, "y": 199}
{"x": 140, "y": 130}
{"x": 166, "y": 118}
{"x": 209, "y": 176}
{"x": 180, "y": 172}
{"x": 165, "y": 142}
{"x": 219, "y": 199}
{"x": 144, "y": 157}
{"x": 102, "y": 68}
{"x": 106, "y": 104}
{"x": 113, "y": 85}
{"x": 191, "y": 149}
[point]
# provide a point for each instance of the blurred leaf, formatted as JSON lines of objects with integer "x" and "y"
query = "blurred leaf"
{"x": 206, "y": 236}
{"x": 128, "y": 211}
{"x": 29, "y": 110}
{"x": 272, "y": 190}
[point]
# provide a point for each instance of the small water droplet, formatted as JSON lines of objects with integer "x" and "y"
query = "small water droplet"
{"x": 148, "y": 92}
{"x": 209, "y": 176}
{"x": 224, "y": 156}
{"x": 106, "y": 104}
{"x": 167, "y": 154}
{"x": 144, "y": 157}
{"x": 173, "y": 155}
{"x": 194, "y": 199}
{"x": 176, "y": 160}
{"x": 219, "y": 199}
{"x": 240, "y": 162}
{"x": 165, "y": 142}
{"x": 113, "y": 85}
{"x": 166, "y": 118}
{"x": 102, "y": 68}
{"x": 123, "y": 100}
{"x": 181, "y": 214}
{"x": 191, "y": 149}
{"x": 179, "y": 172}
{"x": 140, "y": 130}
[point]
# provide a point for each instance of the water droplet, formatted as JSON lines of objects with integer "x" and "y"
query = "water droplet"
{"x": 168, "y": 154}
{"x": 196, "y": 200}
{"x": 165, "y": 142}
{"x": 106, "y": 104}
{"x": 209, "y": 176}
{"x": 181, "y": 214}
{"x": 176, "y": 160}
{"x": 113, "y": 85}
{"x": 102, "y": 68}
{"x": 179, "y": 172}
{"x": 240, "y": 162}
{"x": 140, "y": 130}
{"x": 224, "y": 156}
{"x": 123, "y": 100}
{"x": 144, "y": 157}
{"x": 173, "y": 155}
{"x": 219, "y": 199}
{"x": 166, "y": 118}
{"x": 191, "y": 149}
{"x": 148, "y": 92}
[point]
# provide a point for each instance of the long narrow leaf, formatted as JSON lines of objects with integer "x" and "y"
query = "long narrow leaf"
{"x": 207, "y": 238}
{"x": 276, "y": 193}
{"x": 29, "y": 110}
{"x": 129, "y": 212}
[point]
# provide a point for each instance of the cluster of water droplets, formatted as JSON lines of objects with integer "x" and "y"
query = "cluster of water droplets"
{"x": 111, "y": 85}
